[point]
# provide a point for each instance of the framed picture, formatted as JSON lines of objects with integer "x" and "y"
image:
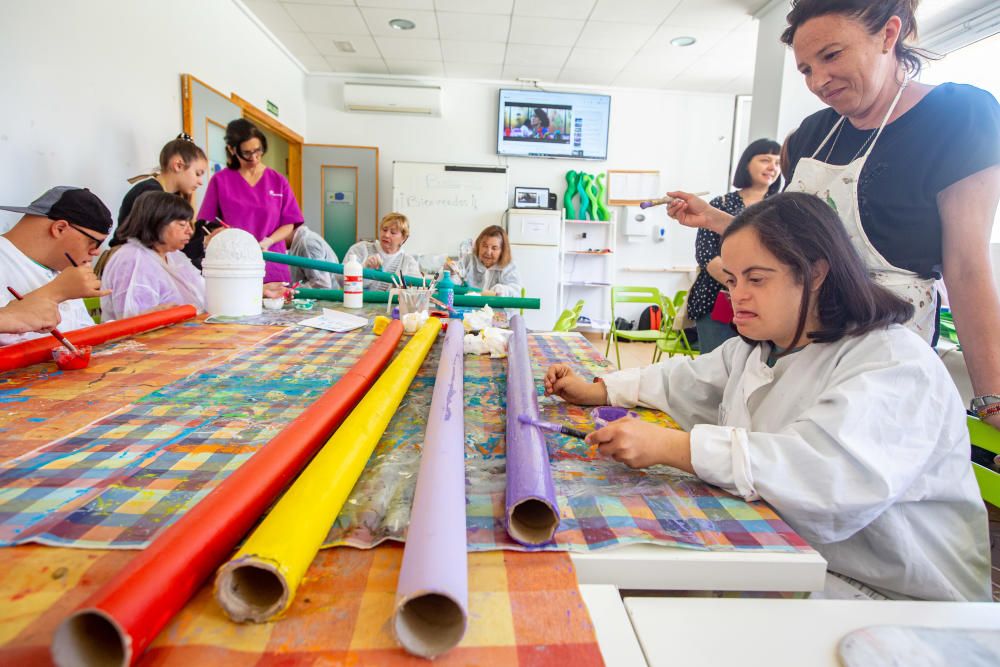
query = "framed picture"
{"x": 531, "y": 197}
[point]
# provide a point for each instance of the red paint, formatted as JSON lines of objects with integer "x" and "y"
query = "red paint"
{"x": 159, "y": 582}
{"x": 67, "y": 361}
{"x": 40, "y": 349}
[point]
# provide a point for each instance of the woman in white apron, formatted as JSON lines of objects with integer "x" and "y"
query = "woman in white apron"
{"x": 908, "y": 136}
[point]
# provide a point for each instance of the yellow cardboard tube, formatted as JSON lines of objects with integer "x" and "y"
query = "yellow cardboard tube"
{"x": 260, "y": 581}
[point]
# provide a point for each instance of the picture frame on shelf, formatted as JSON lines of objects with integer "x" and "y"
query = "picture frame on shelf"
{"x": 531, "y": 197}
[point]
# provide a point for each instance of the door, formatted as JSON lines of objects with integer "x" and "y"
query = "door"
{"x": 206, "y": 113}
{"x": 340, "y": 193}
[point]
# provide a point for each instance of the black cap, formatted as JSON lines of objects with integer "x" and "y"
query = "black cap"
{"x": 77, "y": 205}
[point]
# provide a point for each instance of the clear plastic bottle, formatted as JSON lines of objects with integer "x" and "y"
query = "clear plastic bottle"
{"x": 353, "y": 283}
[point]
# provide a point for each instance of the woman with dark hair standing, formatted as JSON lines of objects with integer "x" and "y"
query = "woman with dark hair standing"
{"x": 253, "y": 197}
{"x": 827, "y": 408}
{"x": 912, "y": 170}
{"x": 757, "y": 176}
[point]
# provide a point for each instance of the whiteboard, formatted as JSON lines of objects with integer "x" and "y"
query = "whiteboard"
{"x": 447, "y": 203}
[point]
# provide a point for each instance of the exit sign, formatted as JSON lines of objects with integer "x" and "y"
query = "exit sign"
{"x": 272, "y": 108}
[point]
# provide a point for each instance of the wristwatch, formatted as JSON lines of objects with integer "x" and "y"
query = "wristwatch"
{"x": 980, "y": 403}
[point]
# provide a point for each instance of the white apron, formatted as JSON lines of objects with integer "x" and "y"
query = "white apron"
{"x": 837, "y": 185}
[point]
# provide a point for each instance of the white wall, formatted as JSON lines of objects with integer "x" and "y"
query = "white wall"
{"x": 91, "y": 90}
{"x": 684, "y": 135}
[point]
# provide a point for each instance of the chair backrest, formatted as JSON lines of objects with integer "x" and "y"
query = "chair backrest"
{"x": 93, "y": 306}
{"x": 985, "y": 436}
{"x": 568, "y": 318}
{"x": 679, "y": 298}
{"x": 634, "y": 295}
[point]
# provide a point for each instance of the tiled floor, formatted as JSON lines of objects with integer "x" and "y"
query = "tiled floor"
{"x": 641, "y": 354}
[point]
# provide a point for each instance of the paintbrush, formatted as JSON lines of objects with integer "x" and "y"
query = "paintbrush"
{"x": 55, "y": 332}
{"x": 552, "y": 426}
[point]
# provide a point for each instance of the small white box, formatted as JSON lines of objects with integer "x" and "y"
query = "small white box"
{"x": 533, "y": 227}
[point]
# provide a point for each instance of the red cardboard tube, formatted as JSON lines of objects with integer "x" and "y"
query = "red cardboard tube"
{"x": 38, "y": 350}
{"x": 121, "y": 619}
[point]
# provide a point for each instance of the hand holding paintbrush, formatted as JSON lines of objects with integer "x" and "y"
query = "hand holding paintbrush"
{"x": 55, "y": 332}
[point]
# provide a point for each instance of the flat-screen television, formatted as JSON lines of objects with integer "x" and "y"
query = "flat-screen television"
{"x": 536, "y": 123}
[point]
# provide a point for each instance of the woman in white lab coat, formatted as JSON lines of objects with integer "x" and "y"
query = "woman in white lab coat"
{"x": 489, "y": 268}
{"x": 826, "y": 407}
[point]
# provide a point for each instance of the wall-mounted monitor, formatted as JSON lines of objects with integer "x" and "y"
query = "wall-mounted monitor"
{"x": 537, "y": 123}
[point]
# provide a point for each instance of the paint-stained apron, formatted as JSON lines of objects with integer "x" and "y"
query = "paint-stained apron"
{"x": 837, "y": 185}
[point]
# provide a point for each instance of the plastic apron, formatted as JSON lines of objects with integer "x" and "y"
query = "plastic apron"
{"x": 837, "y": 185}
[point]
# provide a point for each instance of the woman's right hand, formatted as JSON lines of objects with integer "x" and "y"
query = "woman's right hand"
{"x": 373, "y": 262}
{"x": 567, "y": 385}
{"x": 692, "y": 211}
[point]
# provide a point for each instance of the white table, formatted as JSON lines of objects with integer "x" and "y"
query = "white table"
{"x": 653, "y": 567}
{"x": 615, "y": 636}
{"x": 751, "y": 633}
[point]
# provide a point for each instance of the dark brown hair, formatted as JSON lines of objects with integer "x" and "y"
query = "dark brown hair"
{"x": 873, "y": 14}
{"x": 184, "y": 147}
{"x": 494, "y": 230}
{"x": 741, "y": 175}
{"x": 238, "y": 132}
{"x": 800, "y": 230}
{"x": 151, "y": 214}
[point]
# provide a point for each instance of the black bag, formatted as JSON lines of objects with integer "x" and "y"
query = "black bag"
{"x": 651, "y": 319}
{"x": 621, "y": 324}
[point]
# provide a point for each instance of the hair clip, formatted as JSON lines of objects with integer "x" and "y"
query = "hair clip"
{"x": 184, "y": 136}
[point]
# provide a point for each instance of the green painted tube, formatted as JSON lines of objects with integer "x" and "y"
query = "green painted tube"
{"x": 463, "y": 300}
{"x": 334, "y": 267}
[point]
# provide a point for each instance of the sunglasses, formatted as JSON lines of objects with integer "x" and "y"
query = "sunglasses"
{"x": 93, "y": 239}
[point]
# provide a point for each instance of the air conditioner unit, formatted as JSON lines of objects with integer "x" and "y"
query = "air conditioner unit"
{"x": 392, "y": 98}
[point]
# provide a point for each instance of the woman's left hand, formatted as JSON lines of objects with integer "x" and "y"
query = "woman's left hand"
{"x": 488, "y": 292}
{"x": 274, "y": 290}
{"x": 639, "y": 444}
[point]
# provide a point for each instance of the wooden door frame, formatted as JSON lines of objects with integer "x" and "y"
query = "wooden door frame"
{"x": 378, "y": 215}
{"x": 322, "y": 195}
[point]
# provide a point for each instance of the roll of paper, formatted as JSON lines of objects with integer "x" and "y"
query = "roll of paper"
{"x": 259, "y": 583}
{"x": 532, "y": 512}
{"x": 461, "y": 300}
{"x": 121, "y": 619}
{"x": 334, "y": 267}
{"x": 432, "y": 597}
{"x": 38, "y": 350}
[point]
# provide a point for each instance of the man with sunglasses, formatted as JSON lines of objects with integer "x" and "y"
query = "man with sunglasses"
{"x": 60, "y": 231}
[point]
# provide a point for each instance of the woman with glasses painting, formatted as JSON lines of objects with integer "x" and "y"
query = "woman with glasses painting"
{"x": 253, "y": 197}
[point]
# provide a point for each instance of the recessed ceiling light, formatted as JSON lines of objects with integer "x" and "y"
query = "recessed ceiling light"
{"x": 402, "y": 24}
{"x": 683, "y": 41}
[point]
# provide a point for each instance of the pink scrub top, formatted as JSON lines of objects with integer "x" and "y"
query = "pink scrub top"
{"x": 259, "y": 209}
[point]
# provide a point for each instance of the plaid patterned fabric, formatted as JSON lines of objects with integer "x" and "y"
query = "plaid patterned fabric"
{"x": 524, "y": 609}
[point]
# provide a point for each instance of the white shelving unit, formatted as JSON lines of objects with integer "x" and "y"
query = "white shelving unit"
{"x": 587, "y": 268}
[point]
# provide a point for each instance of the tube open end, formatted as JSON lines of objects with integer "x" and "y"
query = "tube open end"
{"x": 251, "y": 591}
{"x": 533, "y": 521}
{"x": 90, "y": 638}
{"x": 429, "y": 625}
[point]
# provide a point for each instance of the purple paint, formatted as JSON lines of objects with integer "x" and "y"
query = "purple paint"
{"x": 532, "y": 514}
{"x": 432, "y": 596}
{"x": 606, "y": 414}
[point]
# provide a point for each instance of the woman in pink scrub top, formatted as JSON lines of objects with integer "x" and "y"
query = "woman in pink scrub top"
{"x": 253, "y": 197}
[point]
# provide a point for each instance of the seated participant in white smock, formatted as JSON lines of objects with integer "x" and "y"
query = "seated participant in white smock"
{"x": 489, "y": 268}
{"x": 826, "y": 407}
{"x": 386, "y": 254}
{"x": 66, "y": 225}
{"x": 149, "y": 270}
{"x": 309, "y": 244}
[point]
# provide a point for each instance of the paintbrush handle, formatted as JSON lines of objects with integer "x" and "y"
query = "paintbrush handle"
{"x": 574, "y": 432}
{"x": 55, "y": 332}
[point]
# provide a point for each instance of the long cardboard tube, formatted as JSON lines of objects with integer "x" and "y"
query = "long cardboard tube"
{"x": 462, "y": 300}
{"x": 121, "y": 619}
{"x": 335, "y": 267}
{"x": 260, "y": 581}
{"x": 432, "y": 596}
{"x": 532, "y": 512}
{"x": 38, "y": 350}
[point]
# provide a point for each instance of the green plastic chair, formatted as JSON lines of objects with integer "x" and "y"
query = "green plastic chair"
{"x": 568, "y": 318}
{"x": 985, "y": 436}
{"x": 93, "y": 306}
{"x": 649, "y": 295}
{"x": 673, "y": 342}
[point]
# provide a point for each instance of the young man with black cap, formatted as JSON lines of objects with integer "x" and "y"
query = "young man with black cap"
{"x": 62, "y": 228}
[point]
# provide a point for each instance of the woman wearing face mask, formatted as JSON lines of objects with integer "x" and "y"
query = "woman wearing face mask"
{"x": 489, "y": 268}
{"x": 386, "y": 254}
{"x": 757, "y": 176}
{"x": 912, "y": 170}
{"x": 253, "y": 197}
{"x": 826, "y": 407}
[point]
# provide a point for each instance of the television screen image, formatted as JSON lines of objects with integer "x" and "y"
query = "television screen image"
{"x": 537, "y": 123}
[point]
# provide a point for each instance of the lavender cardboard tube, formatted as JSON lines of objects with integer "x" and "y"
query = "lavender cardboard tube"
{"x": 432, "y": 596}
{"x": 532, "y": 513}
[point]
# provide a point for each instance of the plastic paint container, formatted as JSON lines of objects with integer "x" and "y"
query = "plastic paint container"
{"x": 276, "y": 303}
{"x": 234, "y": 270}
{"x": 67, "y": 361}
{"x": 605, "y": 414}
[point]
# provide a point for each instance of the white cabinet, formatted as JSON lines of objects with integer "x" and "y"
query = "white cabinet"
{"x": 588, "y": 269}
{"x": 534, "y": 245}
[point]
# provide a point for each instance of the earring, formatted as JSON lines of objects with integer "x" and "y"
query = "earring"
{"x": 885, "y": 50}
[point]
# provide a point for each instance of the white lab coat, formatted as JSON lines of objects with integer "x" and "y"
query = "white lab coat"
{"x": 398, "y": 261}
{"x": 502, "y": 280}
{"x": 860, "y": 445}
{"x": 309, "y": 244}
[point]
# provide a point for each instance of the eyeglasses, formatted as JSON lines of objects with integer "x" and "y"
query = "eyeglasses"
{"x": 93, "y": 239}
{"x": 249, "y": 155}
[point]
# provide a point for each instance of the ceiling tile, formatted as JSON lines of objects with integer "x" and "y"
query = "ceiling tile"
{"x": 342, "y": 3}
{"x": 364, "y": 46}
{"x": 357, "y": 65}
{"x": 427, "y": 5}
{"x": 635, "y": 78}
{"x": 717, "y": 14}
{"x": 400, "y": 49}
{"x": 323, "y": 18}
{"x": 534, "y": 30}
{"x": 314, "y": 63}
{"x": 589, "y": 77}
{"x": 416, "y": 67}
{"x": 659, "y": 43}
{"x": 555, "y": 9}
{"x": 272, "y": 14}
{"x": 473, "y": 70}
{"x": 529, "y": 71}
{"x": 297, "y": 43}
{"x": 633, "y": 11}
{"x": 473, "y": 52}
{"x": 607, "y": 35}
{"x": 486, "y": 27}
{"x": 581, "y": 58}
{"x": 378, "y": 22}
{"x": 476, "y": 6}
{"x": 535, "y": 54}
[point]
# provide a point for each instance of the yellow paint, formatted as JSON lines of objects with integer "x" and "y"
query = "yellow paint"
{"x": 381, "y": 322}
{"x": 293, "y": 531}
